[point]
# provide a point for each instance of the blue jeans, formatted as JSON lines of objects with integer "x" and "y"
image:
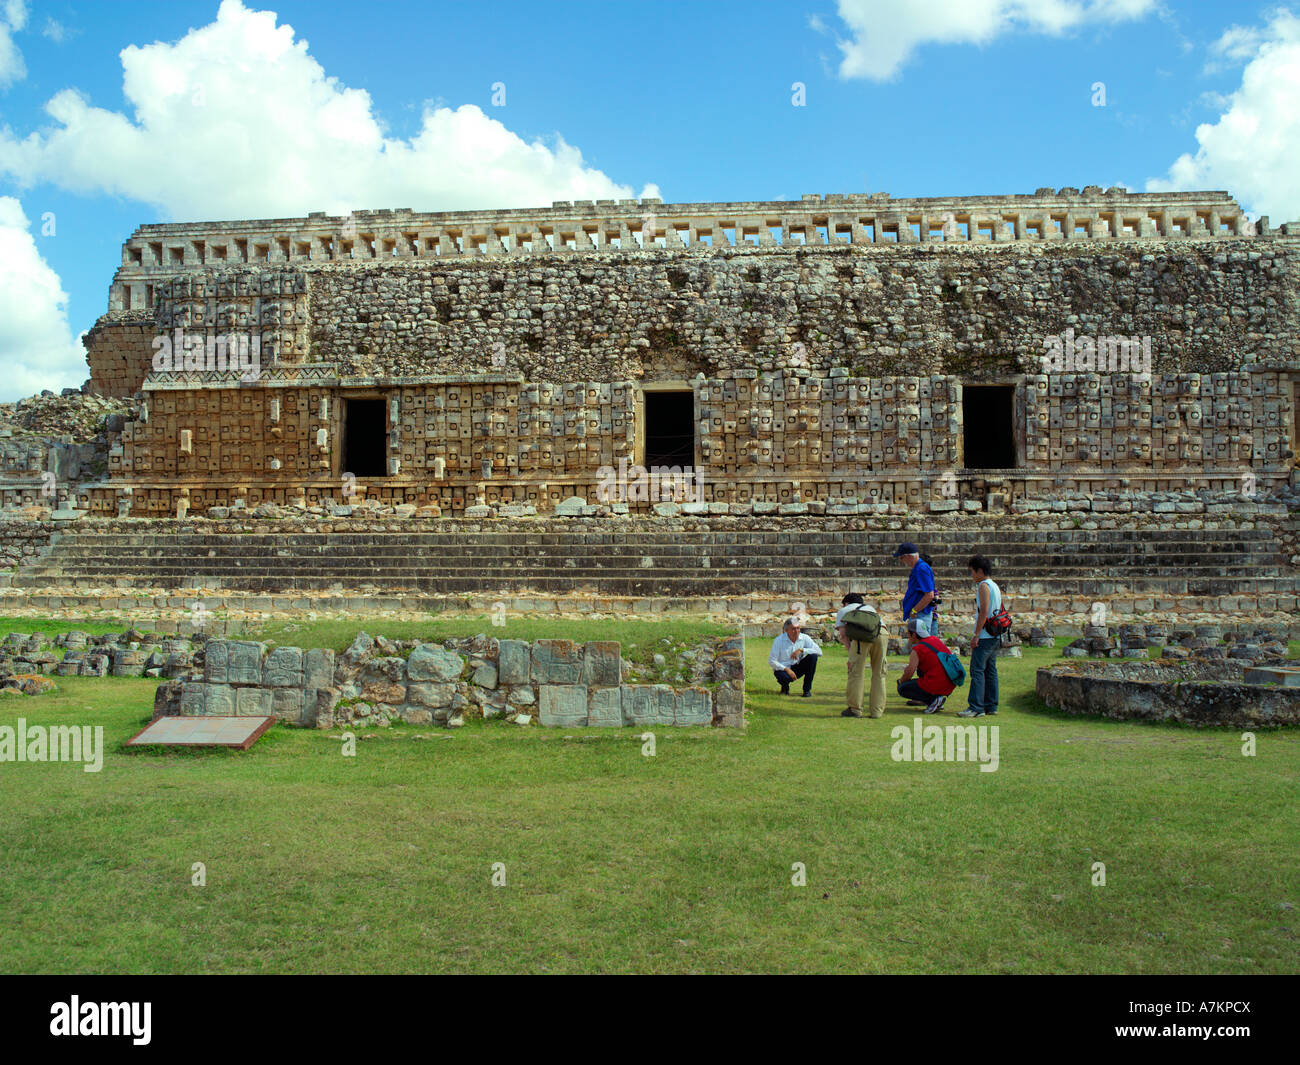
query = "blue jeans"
{"x": 983, "y": 675}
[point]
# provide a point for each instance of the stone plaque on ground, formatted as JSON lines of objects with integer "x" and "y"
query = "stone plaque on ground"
{"x": 240, "y": 732}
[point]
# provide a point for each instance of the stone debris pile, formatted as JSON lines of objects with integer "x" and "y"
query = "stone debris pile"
{"x": 1243, "y": 644}
{"x": 79, "y": 654}
{"x": 72, "y": 416}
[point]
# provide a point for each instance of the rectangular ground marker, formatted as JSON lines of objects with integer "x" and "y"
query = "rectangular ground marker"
{"x": 239, "y": 732}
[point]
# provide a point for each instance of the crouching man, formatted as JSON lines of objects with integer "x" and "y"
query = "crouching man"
{"x": 924, "y": 680}
{"x": 794, "y": 655}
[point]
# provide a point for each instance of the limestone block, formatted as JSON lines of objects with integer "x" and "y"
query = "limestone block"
{"x": 193, "y": 694}
{"x": 167, "y": 699}
{"x": 94, "y": 665}
{"x": 729, "y": 666}
{"x": 70, "y": 664}
{"x": 431, "y": 694}
{"x": 572, "y": 507}
{"x": 415, "y": 715}
{"x": 492, "y": 703}
{"x": 694, "y": 707}
{"x": 649, "y": 704}
{"x": 216, "y": 661}
{"x": 252, "y": 702}
{"x": 521, "y": 696}
{"x": 286, "y": 704}
{"x": 605, "y": 707}
{"x": 729, "y": 708}
{"x": 177, "y": 664}
{"x": 245, "y": 666}
{"x": 218, "y": 700}
{"x": 562, "y": 705}
{"x": 324, "y": 715}
{"x": 513, "y": 662}
{"x": 283, "y": 668}
{"x": 128, "y": 663}
{"x": 318, "y": 668}
{"x": 382, "y": 678}
{"x": 557, "y": 662}
{"x": 602, "y": 664}
{"x": 428, "y": 662}
{"x": 485, "y": 676}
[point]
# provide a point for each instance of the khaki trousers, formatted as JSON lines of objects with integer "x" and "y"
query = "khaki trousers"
{"x": 860, "y": 654}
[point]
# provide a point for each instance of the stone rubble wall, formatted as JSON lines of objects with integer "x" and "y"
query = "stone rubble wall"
{"x": 78, "y": 654}
{"x": 119, "y": 352}
{"x": 557, "y": 683}
{"x": 24, "y": 541}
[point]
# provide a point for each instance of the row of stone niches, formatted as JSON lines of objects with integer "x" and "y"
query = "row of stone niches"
{"x": 377, "y": 682}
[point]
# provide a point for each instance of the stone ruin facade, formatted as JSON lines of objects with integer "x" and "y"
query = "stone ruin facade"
{"x": 845, "y": 350}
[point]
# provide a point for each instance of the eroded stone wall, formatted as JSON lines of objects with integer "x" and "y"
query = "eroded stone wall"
{"x": 557, "y": 683}
{"x": 829, "y": 344}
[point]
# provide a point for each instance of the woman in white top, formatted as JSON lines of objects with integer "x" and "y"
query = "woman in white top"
{"x": 982, "y": 697}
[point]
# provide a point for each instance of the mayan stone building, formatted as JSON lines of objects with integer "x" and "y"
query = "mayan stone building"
{"x": 836, "y": 354}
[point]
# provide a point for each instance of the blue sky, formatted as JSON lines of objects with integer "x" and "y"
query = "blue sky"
{"x": 391, "y": 104}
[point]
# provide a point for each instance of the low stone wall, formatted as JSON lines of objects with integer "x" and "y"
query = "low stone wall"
{"x": 557, "y": 683}
{"x": 1191, "y": 692}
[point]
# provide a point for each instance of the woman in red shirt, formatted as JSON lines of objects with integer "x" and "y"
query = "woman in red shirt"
{"x": 925, "y": 681}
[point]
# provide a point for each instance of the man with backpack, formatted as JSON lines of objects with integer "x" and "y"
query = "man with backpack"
{"x": 863, "y": 636}
{"x": 919, "y": 599}
{"x": 932, "y": 671}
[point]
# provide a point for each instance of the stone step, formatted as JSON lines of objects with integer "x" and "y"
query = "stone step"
{"x": 874, "y": 538}
{"x": 675, "y": 586}
{"x": 228, "y": 608}
{"x": 719, "y": 569}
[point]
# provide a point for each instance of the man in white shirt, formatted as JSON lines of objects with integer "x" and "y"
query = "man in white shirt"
{"x": 862, "y": 652}
{"x": 794, "y": 655}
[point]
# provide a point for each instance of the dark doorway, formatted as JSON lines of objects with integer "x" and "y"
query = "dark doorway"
{"x": 670, "y": 429}
{"x": 989, "y": 426}
{"x": 365, "y": 438}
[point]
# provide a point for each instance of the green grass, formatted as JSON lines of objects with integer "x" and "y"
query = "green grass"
{"x": 680, "y": 862}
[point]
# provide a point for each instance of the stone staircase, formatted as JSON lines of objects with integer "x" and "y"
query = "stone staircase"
{"x": 1043, "y": 570}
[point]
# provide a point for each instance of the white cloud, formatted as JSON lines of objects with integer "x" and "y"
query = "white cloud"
{"x": 13, "y": 17}
{"x": 1253, "y": 149}
{"x": 55, "y": 30}
{"x": 237, "y": 120}
{"x": 37, "y": 348}
{"x": 886, "y": 33}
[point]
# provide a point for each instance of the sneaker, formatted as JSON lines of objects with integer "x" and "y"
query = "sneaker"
{"x": 971, "y": 712}
{"x": 876, "y": 714}
{"x": 785, "y": 689}
{"x": 936, "y": 705}
{"x": 850, "y": 712}
{"x": 991, "y": 713}
{"x": 805, "y": 695}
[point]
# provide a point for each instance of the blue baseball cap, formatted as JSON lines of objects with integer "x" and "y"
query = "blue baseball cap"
{"x": 907, "y": 548}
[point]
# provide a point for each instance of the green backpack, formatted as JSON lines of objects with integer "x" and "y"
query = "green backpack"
{"x": 862, "y": 624}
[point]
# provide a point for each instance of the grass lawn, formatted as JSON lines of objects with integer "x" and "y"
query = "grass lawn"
{"x": 679, "y": 862}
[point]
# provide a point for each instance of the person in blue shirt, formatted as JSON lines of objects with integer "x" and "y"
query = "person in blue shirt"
{"x": 919, "y": 599}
